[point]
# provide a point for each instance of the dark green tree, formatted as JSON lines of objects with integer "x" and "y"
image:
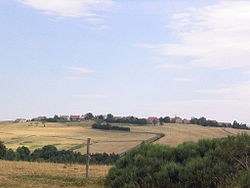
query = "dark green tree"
{"x": 23, "y": 153}
{"x": 166, "y": 119}
{"x": 3, "y": 150}
{"x": 110, "y": 117}
{"x": 11, "y": 155}
{"x": 48, "y": 152}
{"x": 89, "y": 116}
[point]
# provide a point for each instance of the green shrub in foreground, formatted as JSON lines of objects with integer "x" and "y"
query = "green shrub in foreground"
{"x": 209, "y": 163}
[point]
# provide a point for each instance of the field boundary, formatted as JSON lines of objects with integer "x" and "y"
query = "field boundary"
{"x": 148, "y": 141}
{"x": 229, "y": 132}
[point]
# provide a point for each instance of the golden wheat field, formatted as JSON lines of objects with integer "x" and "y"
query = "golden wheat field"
{"x": 179, "y": 133}
{"x": 73, "y": 135}
{"x": 69, "y": 136}
{"x": 31, "y": 174}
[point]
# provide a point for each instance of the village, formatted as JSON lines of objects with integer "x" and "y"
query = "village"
{"x": 123, "y": 119}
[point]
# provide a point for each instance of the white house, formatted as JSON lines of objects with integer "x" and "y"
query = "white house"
{"x": 20, "y": 120}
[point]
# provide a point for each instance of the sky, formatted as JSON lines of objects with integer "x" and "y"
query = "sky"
{"x": 144, "y": 58}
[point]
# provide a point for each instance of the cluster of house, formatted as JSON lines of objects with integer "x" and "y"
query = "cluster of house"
{"x": 73, "y": 117}
{"x": 175, "y": 119}
{"x": 21, "y": 120}
{"x": 62, "y": 117}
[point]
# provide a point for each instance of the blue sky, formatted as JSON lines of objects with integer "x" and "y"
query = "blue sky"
{"x": 143, "y": 58}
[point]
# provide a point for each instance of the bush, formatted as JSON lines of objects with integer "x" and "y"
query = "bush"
{"x": 3, "y": 150}
{"x": 245, "y": 179}
{"x": 11, "y": 155}
{"x": 50, "y": 153}
{"x": 208, "y": 163}
{"x": 23, "y": 153}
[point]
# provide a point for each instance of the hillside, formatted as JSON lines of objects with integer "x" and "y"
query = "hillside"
{"x": 73, "y": 135}
{"x": 179, "y": 133}
{"x": 26, "y": 174}
{"x": 69, "y": 136}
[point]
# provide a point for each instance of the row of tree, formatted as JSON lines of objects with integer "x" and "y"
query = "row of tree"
{"x": 132, "y": 120}
{"x": 204, "y": 122}
{"x": 50, "y": 153}
{"x": 107, "y": 126}
{"x": 223, "y": 162}
{"x": 142, "y": 121}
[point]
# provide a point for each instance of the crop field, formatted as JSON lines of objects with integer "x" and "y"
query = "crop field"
{"x": 69, "y": 136}
{"x": 179, "y": 133}
{"x": 42, "y": 175}
{"x": 73, "y": 135}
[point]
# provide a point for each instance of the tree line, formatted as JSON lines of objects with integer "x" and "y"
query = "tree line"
{"x": 131, "y": 119}
{"x": 50, "y": 153}
{"x": 204, "y": 122}
{"x": 107, "y": 126}
{"x": 109, "y": 118}
{"x": 221, "y": 162}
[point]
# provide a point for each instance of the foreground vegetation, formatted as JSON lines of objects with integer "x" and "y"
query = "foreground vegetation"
{"x": 209, "y": 163}
{"x": 50, "y": 153}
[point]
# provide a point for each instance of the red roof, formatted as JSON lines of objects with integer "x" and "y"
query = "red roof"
{"x": 152, "y": 118}
{"x": 213, "y": 121}
{"x": 77, "y": 116}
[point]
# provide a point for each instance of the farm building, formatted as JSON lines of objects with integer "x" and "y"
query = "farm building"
{"x": 176, "y": 120}
{"x": 40, "y": 118}
{"x": 186, "y": 121}
{"x": 75, "y": 118}
{"x": 65, "y": 118}
{"x": 152, "y": 119}
{"x": 20, "y": 120}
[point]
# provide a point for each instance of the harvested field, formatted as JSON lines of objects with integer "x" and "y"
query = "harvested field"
{"x": 68, "y": 136}
{"x": 179, "y": 133}
{"x": 27, "y": 174}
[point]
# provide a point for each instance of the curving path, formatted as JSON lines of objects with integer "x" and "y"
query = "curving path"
{"x": 148, "y": 141}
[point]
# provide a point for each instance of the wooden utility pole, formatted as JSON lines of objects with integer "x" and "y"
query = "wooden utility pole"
{"x": 88, "y": 158}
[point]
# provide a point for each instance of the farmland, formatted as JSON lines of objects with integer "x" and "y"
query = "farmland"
{"x": 68, "y": 136}
{"x": 73, "y": 135}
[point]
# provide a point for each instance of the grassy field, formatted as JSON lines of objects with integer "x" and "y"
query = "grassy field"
{"x": 73, "y": 135}
{"x": 43, "y": 175}
{"x": 69, "y": 136}
{"x": 179, "y": 133}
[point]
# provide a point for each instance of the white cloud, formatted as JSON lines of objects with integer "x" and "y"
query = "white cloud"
{"x": 216, "y": 36}
{"x": 70, "y": 8}
{"x": 79, "y": 70}
{"x": 183, "y": 79}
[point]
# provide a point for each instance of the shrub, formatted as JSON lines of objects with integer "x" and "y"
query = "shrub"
{"x": 23, "y": 153}
{"x": 11, "y": 155}
{"x": 3, "y": 150}
{"x": 107, "y": 126}
{"x": 208, "y": 163}
{"x": 245, "y": 179}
